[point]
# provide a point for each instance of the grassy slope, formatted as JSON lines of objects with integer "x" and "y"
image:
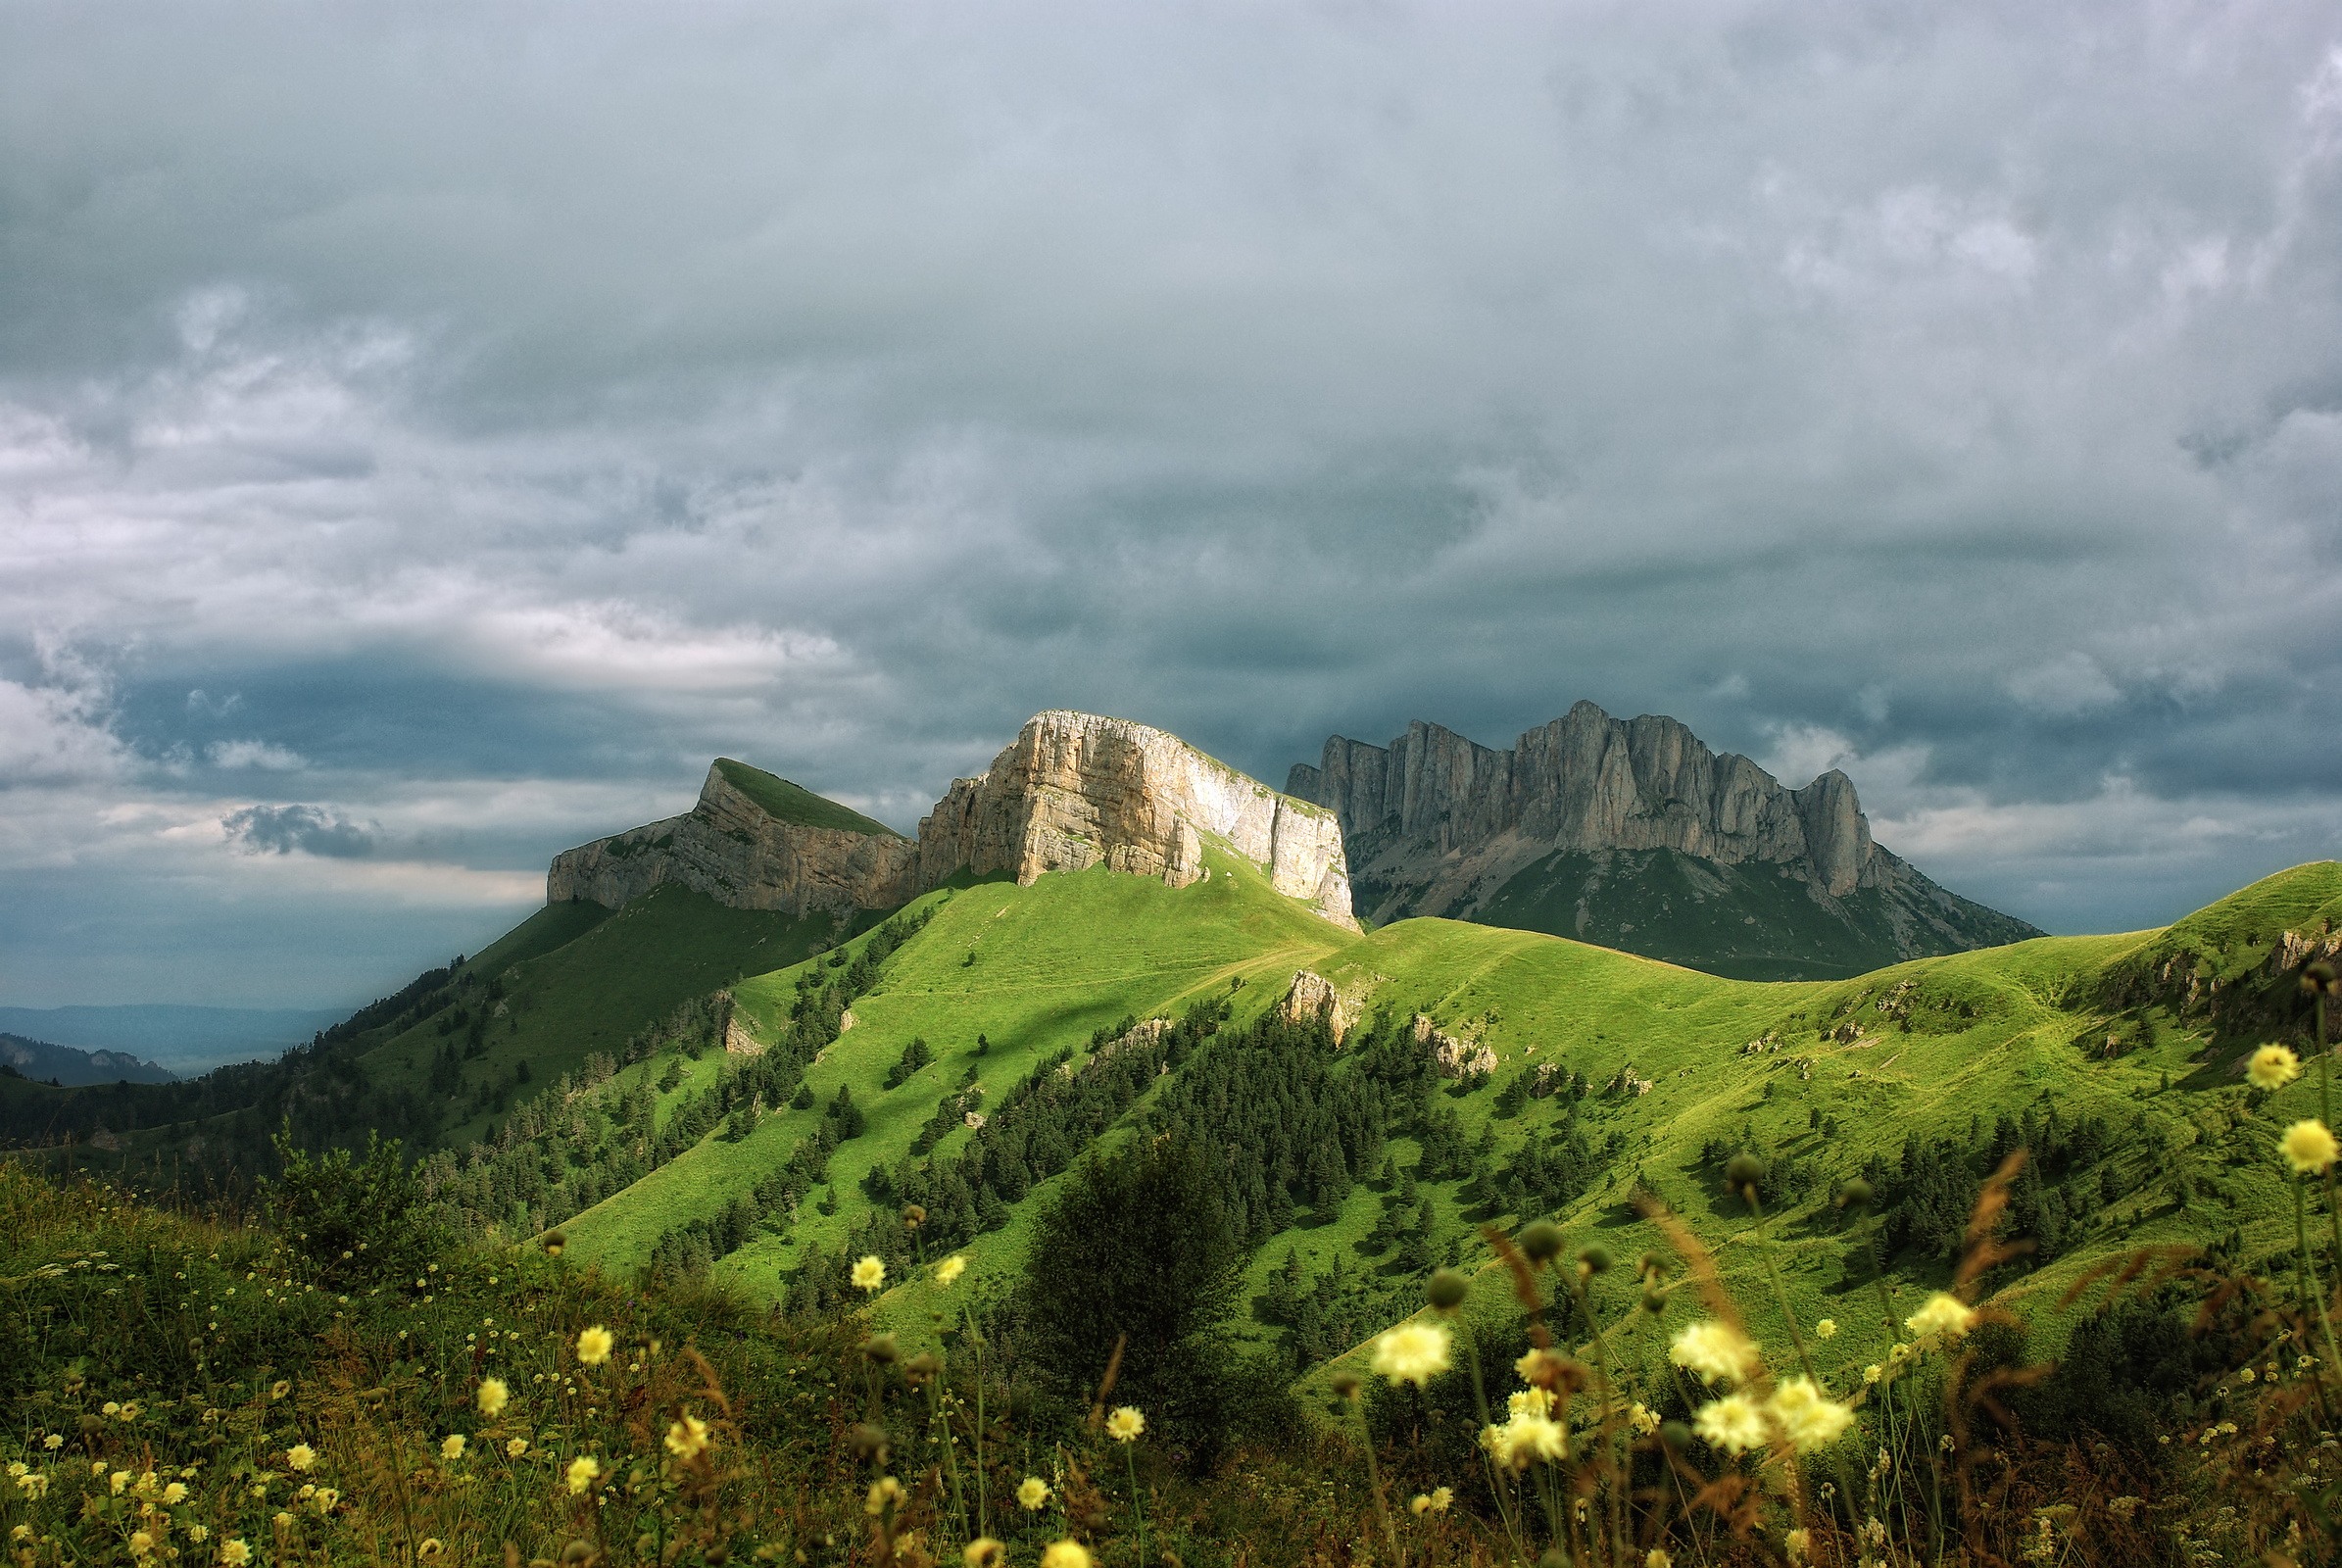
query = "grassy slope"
{"x": 1053, "y": 961}
{"x": 1073, "y": 953}
{"x": 794, "y": 803}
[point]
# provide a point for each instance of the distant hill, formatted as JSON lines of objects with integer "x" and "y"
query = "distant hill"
{"x": 184, "y": 1039}
{"x": 43, "y": 1063}
{"x": 1632, "y": 834}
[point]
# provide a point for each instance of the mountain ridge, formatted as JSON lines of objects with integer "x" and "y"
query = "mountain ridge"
{"x": 1536, "y": 836}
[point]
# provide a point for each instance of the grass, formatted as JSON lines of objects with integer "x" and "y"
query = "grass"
{"x": 785, "y": 801}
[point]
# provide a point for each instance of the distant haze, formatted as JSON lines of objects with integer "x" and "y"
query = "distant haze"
{"x": 430, "y": 433}
{"x": 185, "y": 1039}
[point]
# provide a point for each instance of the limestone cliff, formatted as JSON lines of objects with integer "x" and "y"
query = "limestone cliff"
{"x": 1072, "y": 791}
{"x": 1548, "y": 834}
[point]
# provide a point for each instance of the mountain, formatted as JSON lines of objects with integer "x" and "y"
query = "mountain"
{"x": 1632, "y": 834}
{"x": 181, "y": 1038}
{"x": 1071, "y": 791}
{"x": 43, "y": 1063}
{"x": 1129, "y": 938}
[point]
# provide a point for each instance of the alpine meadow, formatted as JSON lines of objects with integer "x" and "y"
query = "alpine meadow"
{"x": 1082, "y": 1181}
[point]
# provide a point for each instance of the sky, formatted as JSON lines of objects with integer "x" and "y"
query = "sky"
{"x": 429, "y": 432}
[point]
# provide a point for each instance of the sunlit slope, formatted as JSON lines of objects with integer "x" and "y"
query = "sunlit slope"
{"x": 1034, "y": 970}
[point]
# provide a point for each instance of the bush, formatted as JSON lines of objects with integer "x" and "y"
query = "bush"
{"x": 355, "y": 1222}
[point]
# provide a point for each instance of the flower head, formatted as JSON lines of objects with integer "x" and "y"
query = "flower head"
{"x": 432, "y": 1547}
{"x": 451, "y": 1445}
{"x": 2309, "y": 1146}
{"x": 1714, "y": 1351}
{"x": 593, "y": 1346}
{"x": 1412, "y": 1353}
{"x": 1125, "y": 1424}
{"x": 1735, "y": 1423}
{"x": 1799, "y": 1544}
{"x": 1825, "y": 1328}
{"x": 493, "y": 1396}
{"x": 2273, "y": 1067}
{"x": 1812, "y": 1420}
{"x": 1065, "y": 1554}
{"x": 984, "y": 1552}
{"x": 301, "y": 1457}
{"x": 1033, "y": 1494}
{"x": 174, "y": 1493}
{"x": 884, "y": 1492}
{"x": 1434, "y": 1500}
{"x": 53, "y": 1442}
{"x": 870, "y": 1273}
{"x": 233, "y": 1554}
{"x": 584, "y": 1471}
{"x": 1527, "y": 1437}
{"x": 1945, "y": 1313}
{"x": 1657, "y": 1558}
{"x": 515, "y": 1447}
{"x": 950, "y": 1268}
{"x": 686, "y": 1438}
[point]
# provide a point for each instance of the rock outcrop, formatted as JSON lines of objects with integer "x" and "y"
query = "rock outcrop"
{"x": 1072, "y": 791}
{"x": 1312, "y": 996}
{"x": 1436, "y": 824}
{"x": 733, "y": 849}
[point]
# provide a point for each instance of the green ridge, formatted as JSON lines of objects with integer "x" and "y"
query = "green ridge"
{"x": 785, "y": 801}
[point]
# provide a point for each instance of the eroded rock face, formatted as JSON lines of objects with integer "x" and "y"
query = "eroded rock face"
{"x": 732, "y": 850}
{"x": 1072, "y": 791}
{"x": 1075, "y": 789}
{"x": 1312, "y": 996}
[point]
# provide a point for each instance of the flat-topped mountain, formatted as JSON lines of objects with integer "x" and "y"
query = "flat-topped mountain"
{"x": 1072, "y": 791}
{"x": 1632, "y": 834}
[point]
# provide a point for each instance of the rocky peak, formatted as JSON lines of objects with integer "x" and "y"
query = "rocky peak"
{"x": 1072, "y": 791}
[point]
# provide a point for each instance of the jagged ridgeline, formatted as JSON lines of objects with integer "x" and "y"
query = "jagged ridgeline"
{"x": 1632, "y": 834}
{"x": 705, "y": 1054}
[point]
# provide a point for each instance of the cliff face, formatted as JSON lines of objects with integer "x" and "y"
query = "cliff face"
{"x": 1072, "y": 791}
{"x": 1075, "y": 789}
{"x": 732, "y": 849}
{"x": 1437, "y": 825}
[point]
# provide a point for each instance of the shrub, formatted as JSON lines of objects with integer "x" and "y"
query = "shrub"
{"x": 354, "y": 1221}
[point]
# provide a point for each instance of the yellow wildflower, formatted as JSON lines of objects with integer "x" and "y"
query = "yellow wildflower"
{"x": 1825, "y": 1328}
{"x": 584, "y": 1471}
{"x": 1657, "y": 1558}
{"x": 451, "y": 1445}
{"x": 1033, "y": 1493}
{"x": 1714, "y": 1351}
{"x": 301, "y": 1457}
{"x": 1412, "y": 1353}
{"x": 2309, "y": 1146}
{"x": 984, "y": 1552}
{"x": 1735, "y": 1423}
{"x": 2273, "y": 1067}
{"x": 1065, "y": 1554}
{"x": 593, "y": 1346}
{"x": 1812, "y": 1420}
{"x": 1527, "y": 1437}
{"x": 950, "y": 1268}
{"x": 494, "y": 1396}
{"x": 174, "y": 1493}
{"x": 870, "y": 1273}
{"x": 233, "y": 1554}
{"x": 1125, "y": 1424}
{"x": 1799, "y": 1542}
{"x": 1945, "y": 1313}
{"x": 432, "y": 1547}
{"x": 884, "y": 1492}
{"x": 515, "y": 1447}
{"x": 685, "y": 1439}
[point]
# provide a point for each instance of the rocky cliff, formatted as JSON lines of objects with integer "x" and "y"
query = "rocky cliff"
{"x": 1072, "y": 791}
{"x": 1554, "y": 834}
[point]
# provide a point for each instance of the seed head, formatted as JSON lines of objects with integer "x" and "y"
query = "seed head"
{"x": 1595, "y": 1259}
{"x": 913, "y": 1216}
{"x": 1447, "y": 1290}
{"x": 1856, "y": 1194}
{"x": 884, "y": 1492}
{"x": 1743, "y": 1171}
{"x": 554, "y": 1240}
{"x": 2309, "y": 1148}
{"x": 1553, "y": 1558}
{"x": 881, "y": 1348}
{"x": 919, "y": 1368}
{"x": 1541, "y": 1242}
{"x": 1675, "y": 1435}
{"x": 2319, "y": 979}
{"x": 1347, "y": 1384}
{"x": 868, "y": 1440}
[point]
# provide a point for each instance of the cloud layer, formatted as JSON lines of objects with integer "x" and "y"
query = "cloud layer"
{"x": 428, "y": 433}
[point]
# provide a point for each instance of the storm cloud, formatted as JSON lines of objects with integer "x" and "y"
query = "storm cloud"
{"x": 466, "y": 420}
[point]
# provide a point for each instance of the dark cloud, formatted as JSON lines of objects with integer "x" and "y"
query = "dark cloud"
{"x": 472, "y": 419}
{"x": 311, "y": 829}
